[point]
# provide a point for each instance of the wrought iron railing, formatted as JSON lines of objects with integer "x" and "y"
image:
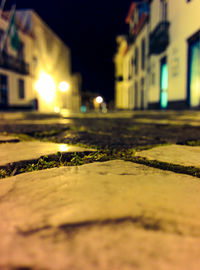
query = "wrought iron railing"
{"x": 159, "y": 38}
{"x": 14, "y": 64}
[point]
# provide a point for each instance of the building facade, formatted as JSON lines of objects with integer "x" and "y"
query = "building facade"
{"x": 38, "y": 74}
{"x": 167, "y": 48}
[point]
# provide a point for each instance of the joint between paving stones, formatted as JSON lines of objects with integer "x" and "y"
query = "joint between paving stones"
{"x": 77, "y": 159}
{"x": 189, "y": 170}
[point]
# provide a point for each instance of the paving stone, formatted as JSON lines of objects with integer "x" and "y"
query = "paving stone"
{"x": 176, "y": 154}
{"x": 189, "y": 122}
{"x": 109, "y": 215}
{"x": 5, "y": 138}
{"x": 21, "y": 151}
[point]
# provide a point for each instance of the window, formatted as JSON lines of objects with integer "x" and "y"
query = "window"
{"x": 153, "y": 78}
{"x": 142, "y": 83}
{"x": 2, "y": 40}
{"x": 143, "y": 54}
{"x": 136, "y": 60}
{"x": 164, "y": 10}
{"x": 142, "y": 94}
{"x": 35, "y": 61}
{"x": 3, "y": 89}
{"x": 136, "y": 96}
{"x": 20, "y": 52}
{"x": 132, "y": 64}
{"x": 1, "y": 35}
{"x": 21, "y": 89}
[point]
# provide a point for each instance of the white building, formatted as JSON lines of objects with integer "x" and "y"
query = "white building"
{"x": 131, "y": 90}
{"x": 38, "y": 74}
{"x": 172, "y": 54}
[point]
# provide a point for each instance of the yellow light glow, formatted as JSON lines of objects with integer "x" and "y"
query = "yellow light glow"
{"x": 63, "y": 147}
{"x": 56, "y": 109}
{"x": 46, "y": 87}
{"x": 64, "y": 87}
{"x": 65, "y": 112}
{"x": 99, "y": 99}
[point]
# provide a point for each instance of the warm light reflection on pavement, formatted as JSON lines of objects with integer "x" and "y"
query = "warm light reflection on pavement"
{"x": 21, "y": 151}
{"x": 63, "y": 148}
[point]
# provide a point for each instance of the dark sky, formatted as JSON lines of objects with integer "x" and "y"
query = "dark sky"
{"x": 89, "y": 28}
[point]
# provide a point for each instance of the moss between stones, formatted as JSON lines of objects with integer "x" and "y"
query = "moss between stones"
{"x": 190, "y": 170}
{"x": 80, "y": 158}
{"x": 191, "y": 143}
{"x": 44, "y": 162}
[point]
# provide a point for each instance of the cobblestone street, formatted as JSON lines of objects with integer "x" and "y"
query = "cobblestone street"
{"x": 118, "y": 191}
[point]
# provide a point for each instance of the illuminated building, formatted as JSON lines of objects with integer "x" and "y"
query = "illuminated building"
{"x": 35, "y": 76}
{"x": 162, "y": 56}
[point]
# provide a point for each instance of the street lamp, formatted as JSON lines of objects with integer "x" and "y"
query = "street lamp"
{"x": 63, "y": 86}
{"x": 99, "y": 99}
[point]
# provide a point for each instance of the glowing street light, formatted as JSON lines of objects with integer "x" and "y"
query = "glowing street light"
{"x": 46, "y": 87}
{"x": 99, "y": 99}
{"x": 56, "y": 109}
{"x": 64, "y": 87}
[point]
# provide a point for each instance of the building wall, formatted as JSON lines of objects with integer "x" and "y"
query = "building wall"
{"x": 122, "y": 74}
{"x": 52, "y": 66}
{"x": 133, "y": 88}
{"x": 12, "y": 76}
{"x": 76, "y": 92}
{"x": 141, "y": 74}
{"x": 49, "y": 62}
{"x": 184, "y": 22}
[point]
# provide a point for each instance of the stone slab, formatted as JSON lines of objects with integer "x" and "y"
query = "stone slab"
{"x": 22, "y": 151}
{"x": 5, "y": 138}
{"x": 189, "y": 122}
{"x": 176, "y": 154}
{"x": 109, "y": 215}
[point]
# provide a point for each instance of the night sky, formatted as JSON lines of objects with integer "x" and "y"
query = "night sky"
{"x": 89, "y": 28}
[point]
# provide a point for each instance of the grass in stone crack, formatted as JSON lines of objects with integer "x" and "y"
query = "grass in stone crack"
{"x": 189, "y": 170}
{"x": 77, "y": 159}
{"x": 4, "y": 173}
{"x": 60, "y": 159}
{"x": 191, "y": 143}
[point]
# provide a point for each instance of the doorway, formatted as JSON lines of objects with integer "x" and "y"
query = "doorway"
{"x": 3, "y": 91}
{"x": 194, "y": 71}
{"x": 163, "y": 83}
{"x": 136, "y": 96}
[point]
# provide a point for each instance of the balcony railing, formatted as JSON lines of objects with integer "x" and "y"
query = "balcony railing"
{"x": 14, "y": 64}
{"x": 159, "y": 38}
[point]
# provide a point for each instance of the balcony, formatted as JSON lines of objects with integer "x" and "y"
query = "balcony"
{"x": 159, "y": 38}
{"x": 14, "y": 64}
